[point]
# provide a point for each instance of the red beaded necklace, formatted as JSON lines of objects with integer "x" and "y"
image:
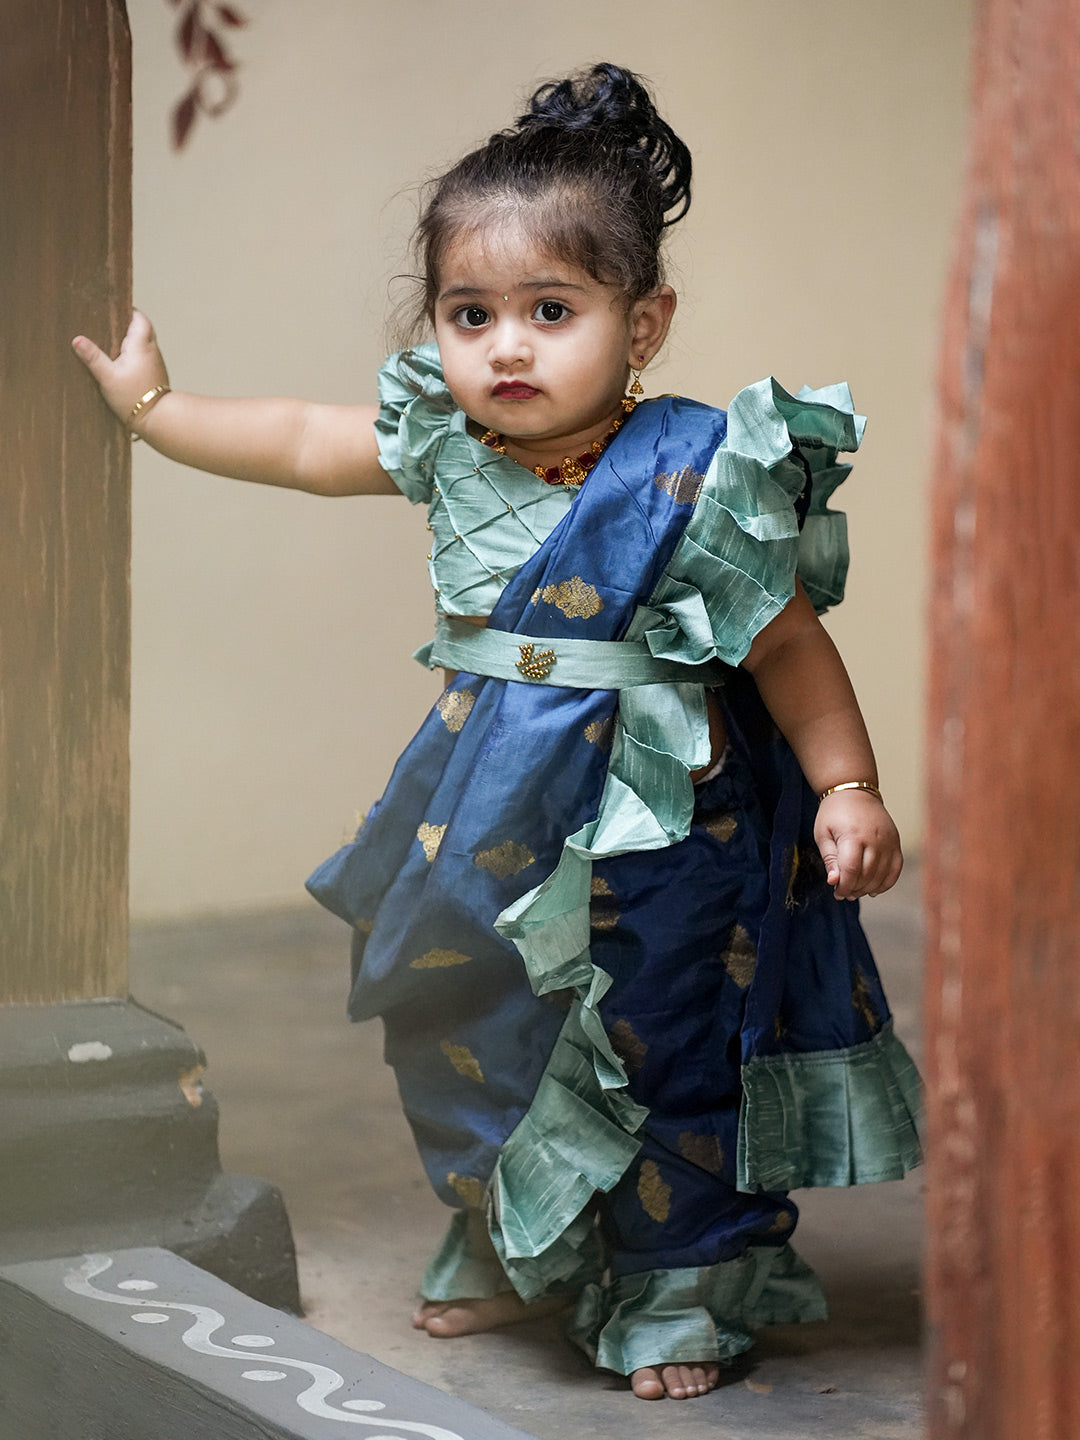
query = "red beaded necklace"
{"x": 572, "y": 470}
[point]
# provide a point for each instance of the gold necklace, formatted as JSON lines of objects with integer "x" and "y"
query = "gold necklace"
{"x": 572, "y": 470}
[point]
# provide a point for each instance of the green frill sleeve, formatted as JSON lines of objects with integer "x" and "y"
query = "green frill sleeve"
{"x": 415, "y": 411}
{"x": 734, "y": 569}
{"x": 487, "y": 515}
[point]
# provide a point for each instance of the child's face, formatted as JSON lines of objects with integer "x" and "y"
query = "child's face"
{"x": 531, "y": 346}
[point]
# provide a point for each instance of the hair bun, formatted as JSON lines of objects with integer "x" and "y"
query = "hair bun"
{"x": 615, "y": 108}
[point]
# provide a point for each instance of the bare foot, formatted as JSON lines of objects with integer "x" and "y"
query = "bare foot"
{"x": 680, "y": 1382}
{"x": 447, "y": 1318}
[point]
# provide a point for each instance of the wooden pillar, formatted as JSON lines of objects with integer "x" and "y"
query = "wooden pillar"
{"x": 1003, "y": 861}
{"x": 65, "y": 266}
{"x": 107, "y": 1137}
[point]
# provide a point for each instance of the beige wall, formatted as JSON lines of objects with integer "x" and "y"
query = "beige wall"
{"x": 272, "y": 685}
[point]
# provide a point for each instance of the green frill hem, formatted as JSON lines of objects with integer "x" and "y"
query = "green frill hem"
{"x": 837, "y": 1117}
{"x": 465, "y": 1266}
{"x": 576, "y": 1138}
{"x": 660, "y": 1317}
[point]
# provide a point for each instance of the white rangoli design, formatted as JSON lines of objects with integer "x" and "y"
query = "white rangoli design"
{"x": 206, "y": 1322}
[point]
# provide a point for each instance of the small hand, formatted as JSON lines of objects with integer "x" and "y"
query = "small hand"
{"x": 859, "y": 844}
{"x": 137, "y": 369}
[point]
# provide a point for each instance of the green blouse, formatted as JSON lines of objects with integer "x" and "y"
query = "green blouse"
{"x": 733, "y": 569}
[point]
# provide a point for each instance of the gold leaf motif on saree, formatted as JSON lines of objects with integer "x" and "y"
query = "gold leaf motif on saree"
{"x": 862, "y": 1001}
{"x": 601, "y": 732}
{"x": 705, "y": 1151}
{"x": 654, "y": 1192}
{"x": 365, "y": 927}
{"x": 430, "y": 837}
{"x": 721, "y": 826}
{"x": 629, "y": 1047}
{"x": 455, "y": 707}
{"x": 684, "y": 486}
{"x": 469, "y": 1188}
{"x": 439, "y": 960}
{"x": 505, "y": 860}
{"x": 739, "y": 957}
{"x": 603, "y": 906}
{"x": 463, "y": 1061}
{"x": 576, "y": 598}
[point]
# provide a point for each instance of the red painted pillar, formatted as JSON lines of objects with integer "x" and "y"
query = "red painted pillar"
{"x": 1003, "y": 859}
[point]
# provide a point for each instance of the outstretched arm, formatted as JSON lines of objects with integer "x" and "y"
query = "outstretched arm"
{"x": 324, "y": 449}
{"x": 806, "y": 688}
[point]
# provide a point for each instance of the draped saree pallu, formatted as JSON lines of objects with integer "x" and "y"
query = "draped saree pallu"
{"x": 626, "y": 1017}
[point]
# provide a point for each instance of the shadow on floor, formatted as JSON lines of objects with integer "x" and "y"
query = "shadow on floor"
{"x": 307, "y": 1102}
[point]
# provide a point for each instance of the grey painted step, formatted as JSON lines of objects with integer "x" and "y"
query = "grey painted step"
{"x": 108, "y": 1139}
{"x": 141, "y": 1345}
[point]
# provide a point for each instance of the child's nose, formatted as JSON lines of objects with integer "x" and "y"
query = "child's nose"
{"x": 510, "y": 342}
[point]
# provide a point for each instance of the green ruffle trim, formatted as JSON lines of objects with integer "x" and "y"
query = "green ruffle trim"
{"x": 835, "y": 1117}
{"x": 742, "y": 543}
{"x": 576, "y": 1138}
{"x": 660, "y": 1317}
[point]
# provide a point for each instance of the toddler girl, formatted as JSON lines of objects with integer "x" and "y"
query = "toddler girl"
{"x": 596, "y": 905}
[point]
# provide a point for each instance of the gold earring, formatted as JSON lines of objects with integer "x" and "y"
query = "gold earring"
{"x": 636, "y": 389}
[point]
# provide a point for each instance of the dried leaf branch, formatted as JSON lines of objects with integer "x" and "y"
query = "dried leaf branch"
{"x": 200, "y": 30}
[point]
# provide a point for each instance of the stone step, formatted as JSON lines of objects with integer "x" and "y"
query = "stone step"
{"x": 141, "y": 1345}
{"x": 108, "y": 1140}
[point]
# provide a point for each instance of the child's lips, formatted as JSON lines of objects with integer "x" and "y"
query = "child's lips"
{"x": 514, "y": 390}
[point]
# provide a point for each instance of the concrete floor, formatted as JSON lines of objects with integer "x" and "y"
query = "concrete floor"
{"x": 307, "y": 1102}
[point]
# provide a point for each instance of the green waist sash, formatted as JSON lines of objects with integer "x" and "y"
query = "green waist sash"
{"x": 576, "y": 664}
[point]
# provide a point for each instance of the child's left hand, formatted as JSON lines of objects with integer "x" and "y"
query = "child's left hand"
{"x": 859, "y": 844}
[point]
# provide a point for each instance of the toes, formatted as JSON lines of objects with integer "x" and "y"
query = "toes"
{"x": 647, "y": 1385}
{"x": 676, "y": 1381}
{"x": 698, "y": 1379}
{"x": 705, "y": 1378}
{"x": 428, "y": 1311}
{"x": 679, "y": 1382}
{"x": 445, "y": 1319}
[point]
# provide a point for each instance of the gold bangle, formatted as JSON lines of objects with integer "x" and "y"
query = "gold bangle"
{"x": 851, "y": 785}
{"x": 144, "y": 402}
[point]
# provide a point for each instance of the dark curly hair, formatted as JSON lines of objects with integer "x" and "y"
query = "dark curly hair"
{"x": 597, "y": 170}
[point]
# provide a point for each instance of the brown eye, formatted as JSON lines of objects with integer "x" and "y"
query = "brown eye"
{"x": 551, "y": 311}
{"x": 472, "y": 317}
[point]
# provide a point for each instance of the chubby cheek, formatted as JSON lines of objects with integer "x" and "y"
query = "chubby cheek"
{"x": 455, "y": 375}
{"x": 463, "y": 394}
